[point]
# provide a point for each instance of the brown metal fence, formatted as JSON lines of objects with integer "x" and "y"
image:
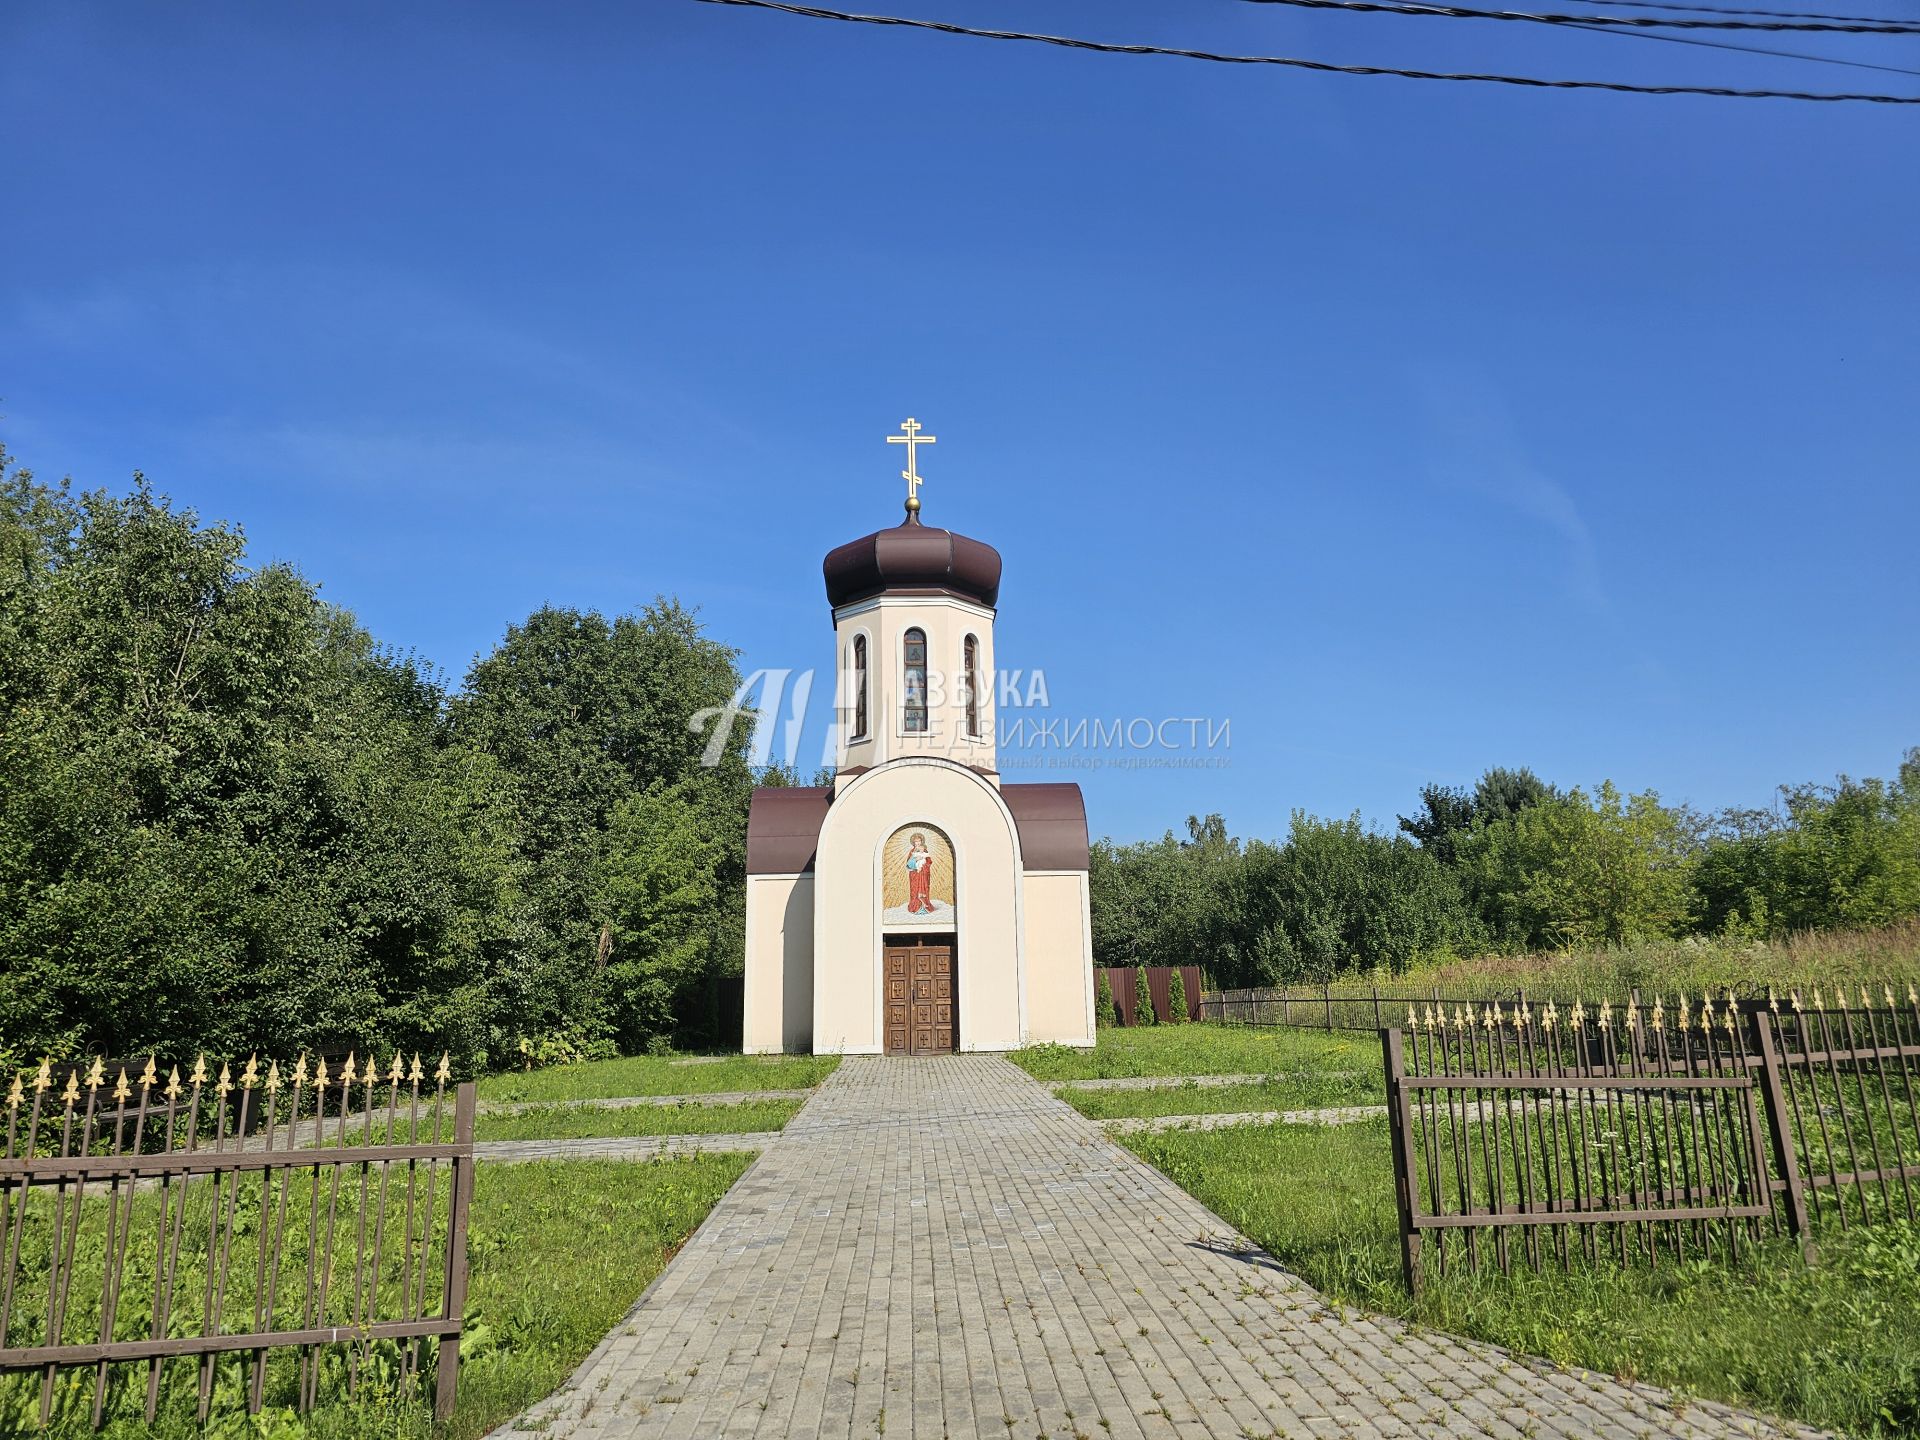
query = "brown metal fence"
{"x": 1120, "y": 980}
{"x": 1317, "y": 1007}
{"x": 154, "y": 1232}
{"x": 1649, "y": 1134}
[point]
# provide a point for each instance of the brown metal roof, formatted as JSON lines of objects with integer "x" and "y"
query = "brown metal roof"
{"x": 783, "y": 827}
{"x": 913, "y": 559}
{"x": 1052, "y": 819}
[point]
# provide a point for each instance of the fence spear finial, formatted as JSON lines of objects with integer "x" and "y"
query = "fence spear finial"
{"x": 346, "y": 1073}
{"x": 415, "y": 1074}
{"x": 1549, "y": 1015}
{"x": 1887, "y": 990}
{"x": 1840, "y": 994}
{"x": 72, "y": 1092}
{"x": 1606, "y": 1013}
{"x": 1793, "y": 999}
{"x": 121, "y": 1090}
{"x": 443, "y": 1070}
{"x": 273, "y": 1077}
{"x": 399, "y": 1071}
{"x": 43, "y": 1080}
{"x": 250, "y": 1075}
{"x": 1865, "y": 1003}
{"x": 320, "y": 1073}
{"x": 225, "y": 1082}
{"x": 1913, "y": 996}
{"x": 199, "y": 1075}
{"x": 1773, "y": 1001}
{"x": 1659, "y": 1013}
{"x": 96, "y": 1073}
{"x": 15, "y": 1094}
{"x": 1413, "y": 1018}
{"x": 1579, "y": 1016}
{"x": 174, "y": 1086}
{"x": 150, "y": 1076}
{"x": 300, "y": 1069}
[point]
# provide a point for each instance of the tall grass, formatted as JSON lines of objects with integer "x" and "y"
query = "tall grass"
{"x": 1889, "y": 956}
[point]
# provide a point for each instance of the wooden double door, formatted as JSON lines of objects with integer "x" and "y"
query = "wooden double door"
{"x": 922, "y": 998}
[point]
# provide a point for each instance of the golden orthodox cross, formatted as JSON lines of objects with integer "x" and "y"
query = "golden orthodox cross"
{"x": 911, "y": 475}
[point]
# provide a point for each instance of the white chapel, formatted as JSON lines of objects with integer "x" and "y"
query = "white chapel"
{"x": 916, "y": 906}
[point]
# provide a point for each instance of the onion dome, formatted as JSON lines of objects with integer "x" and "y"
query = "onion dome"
{"x": 913, "y": 559}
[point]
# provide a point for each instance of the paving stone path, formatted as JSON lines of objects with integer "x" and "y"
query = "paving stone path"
{"x": 939, "y": 1249}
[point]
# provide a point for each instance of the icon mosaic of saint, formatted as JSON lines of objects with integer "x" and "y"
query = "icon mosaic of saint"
{"x": 917, "y": 878}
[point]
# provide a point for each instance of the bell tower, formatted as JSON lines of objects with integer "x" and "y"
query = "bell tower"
{"x": 913, "y": 612}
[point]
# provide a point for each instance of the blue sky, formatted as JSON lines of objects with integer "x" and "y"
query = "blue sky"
{"x": 1412, "y": 428}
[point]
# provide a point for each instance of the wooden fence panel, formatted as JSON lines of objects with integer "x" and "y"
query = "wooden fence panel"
{"x": 160, "y": 1232}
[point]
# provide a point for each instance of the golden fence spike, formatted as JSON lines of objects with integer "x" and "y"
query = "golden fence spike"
{"x": 300, "y": 1069}
{"x": 44, "y": 1079}
{"x": 1548, "y": 1016}
{"x": 1579, "y": 1016}
{"x": 399, "y": 1071}
{"x": 346, "y": 1075}
{"x": 150, "y": 1076}
{"x": 1840, "y": 994}
{"x": 320, "y": 1073}
{"x": 72, "y": 1092}
{"x": 1659, "y": 1013}
{"x": 1818, "y": 1003}
{"x": 96, "y": 1073}
{"x": 121, "y": 1090}
{"x": 173, "y": 1083}
{"x": 15, "y": 1094}
{"x": 1773, "y": 1001}
{"x": 1865, "y": 1003}
{"x": 415, "y": 1074}
{"x": 1913, "y": 996}
{"x": 199, "y": 1075}
{"x": 1793, "y": 999}
{"x": 225, "y": 1082}
{"x": 250, "y": 1076}
{"x": 1413, "y": 1018}
{"x": 443, "y": 1070}
{"x": 1726, "y": 1019}
{"x": 1887, "y": 990}
{"x": 273, "y": 1077}
{"x": 1606, "y": 1013}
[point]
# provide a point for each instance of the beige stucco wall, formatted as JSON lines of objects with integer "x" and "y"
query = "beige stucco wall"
{"x": 885, "y": 621}
{"x": 988, "y": 893}
{"x": 779, "y": 965}
{"x": 1059, "y": 954}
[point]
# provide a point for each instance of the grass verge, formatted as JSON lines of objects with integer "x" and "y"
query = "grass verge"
{"x": 1303, "y": 1092}
{"x": 1835, "y": 1345}
{"x": 1199, "y": 1049}
{"x": 583, "y": 1122}
{"x": 658, "y": 1075}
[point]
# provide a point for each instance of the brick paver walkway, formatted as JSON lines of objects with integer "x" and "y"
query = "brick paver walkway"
{"x": 939, "y": 1248}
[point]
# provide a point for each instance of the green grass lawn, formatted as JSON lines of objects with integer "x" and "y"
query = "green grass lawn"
{"x": 1197, "y": 1049}
{"x": 1836, "y": 1345}
{"x": 658, "y": 1075}
{"x": 560, "y": 1250}
{"x": 579, "y": 1122}
{"x": 1304, "y": 1092}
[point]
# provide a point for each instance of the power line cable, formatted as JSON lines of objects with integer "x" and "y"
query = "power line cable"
{"x": 1737, "y": 10}
{"x": 1637, "y": 22}
{"x": 1102, "y": 47}
{"x": 1748, "y": 49}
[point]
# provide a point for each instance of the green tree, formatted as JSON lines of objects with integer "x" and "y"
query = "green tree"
{"x": 659, "y": 882}
{"x": 1142, "y": 997}
{"x": 1177, "y": 998}
{"x": 1573, "y": 871}
{"x": 1104, "y": 1014}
